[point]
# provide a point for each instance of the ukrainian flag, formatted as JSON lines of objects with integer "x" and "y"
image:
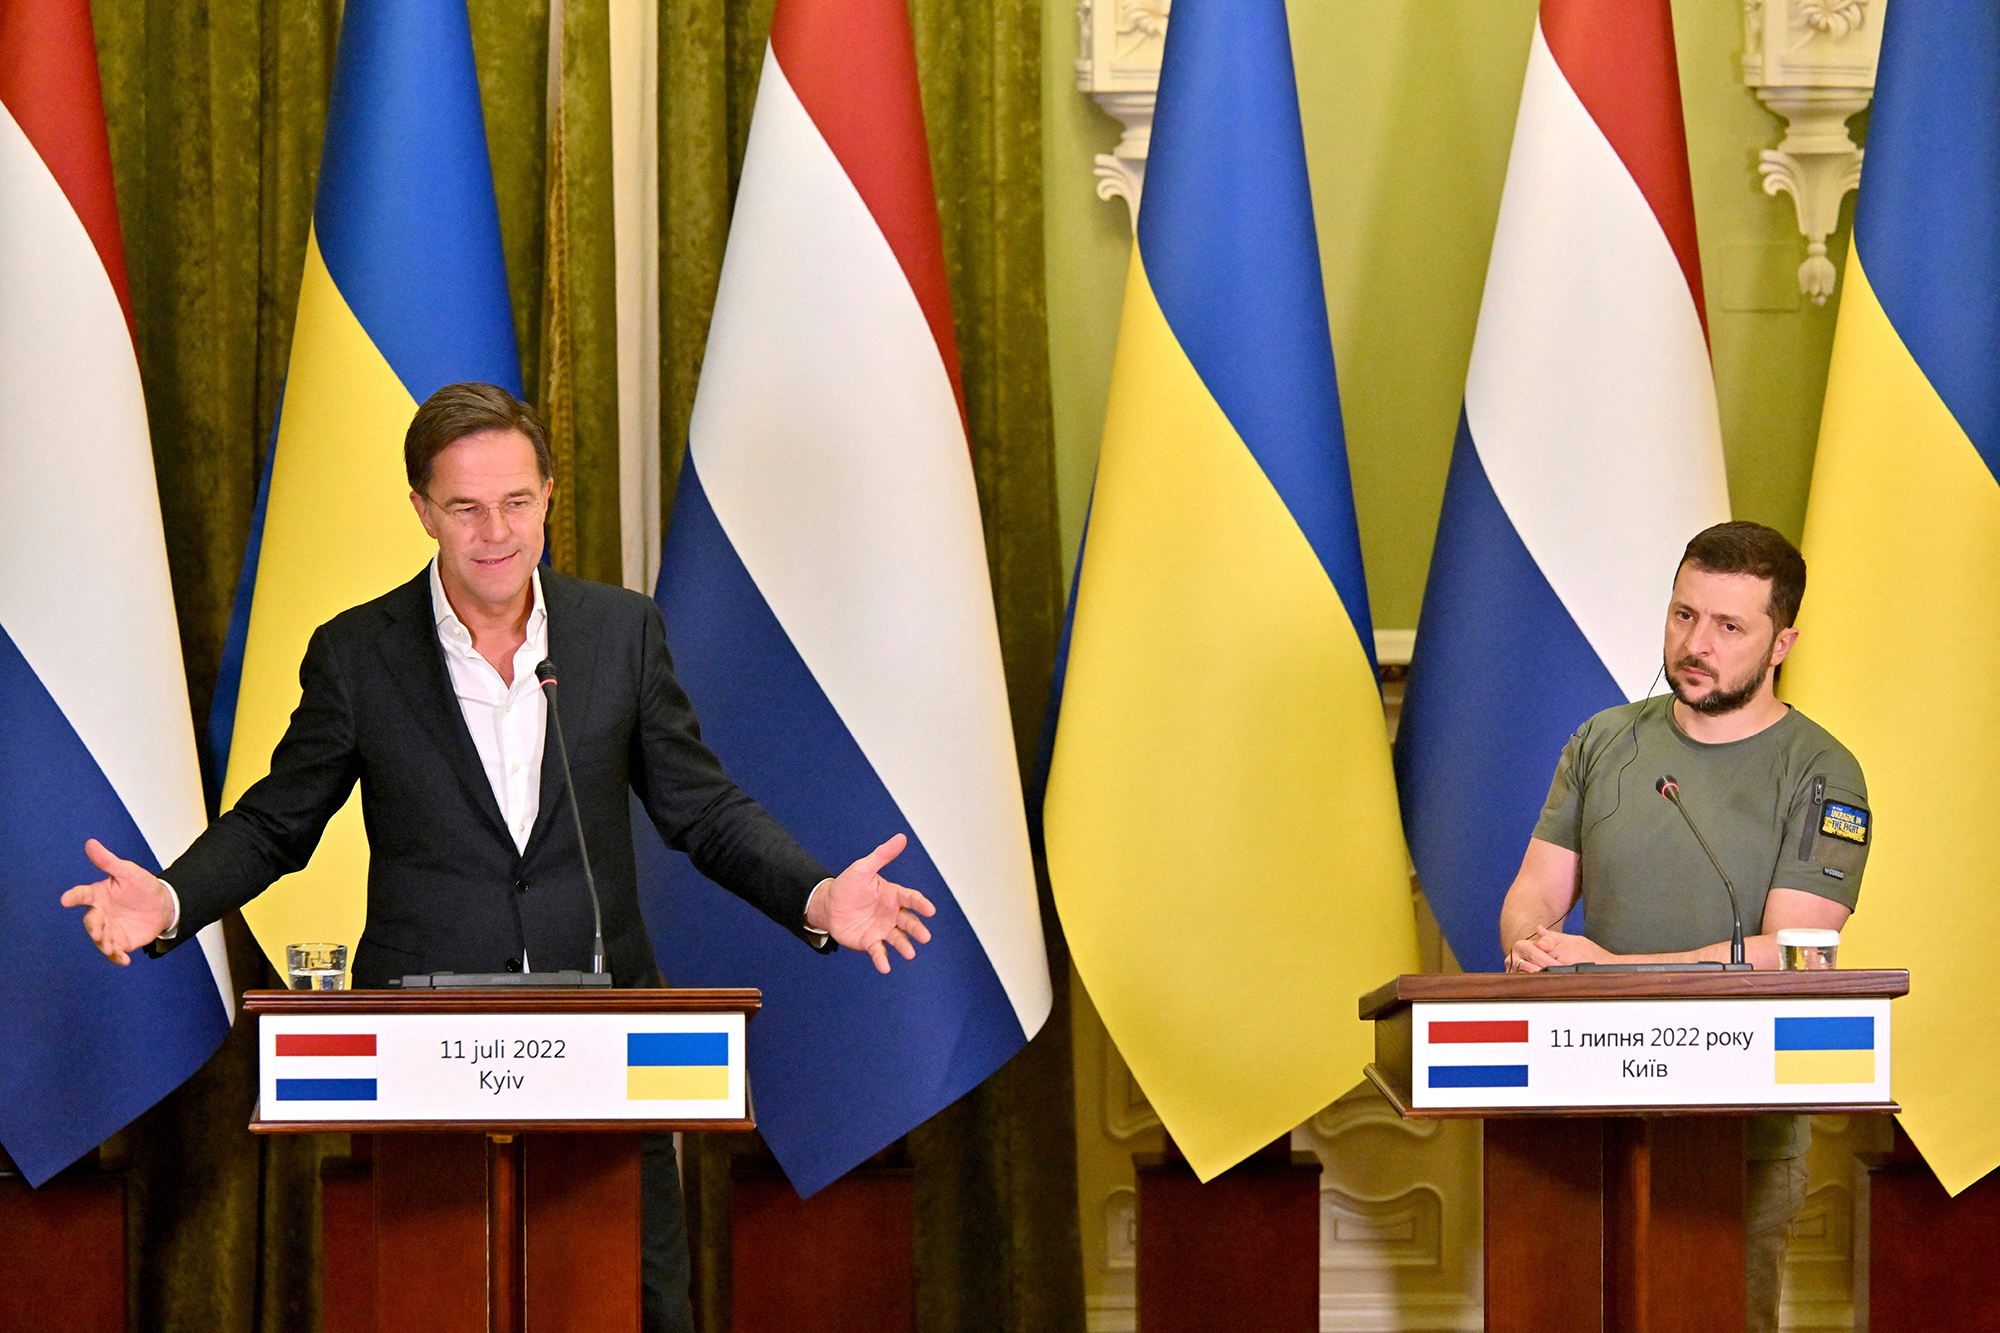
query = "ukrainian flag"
{"x": 404, "y": 291}
{"x": 677, "y": 1066}
{"x": 1220, "y": 816}
{"x": 1824, "y": 1049}
{"x": 1900, "y": 634}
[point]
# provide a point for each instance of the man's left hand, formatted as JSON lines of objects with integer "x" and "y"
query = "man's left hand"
{"x": 1567, "y": 949}
{"x": 863, "y": 911}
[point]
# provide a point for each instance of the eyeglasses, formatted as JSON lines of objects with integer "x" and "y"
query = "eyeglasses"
{"x": 472, "y": 515}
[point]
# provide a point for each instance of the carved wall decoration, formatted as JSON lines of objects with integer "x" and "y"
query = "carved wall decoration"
{"x": 1813, "y": 62}
{"x": 1400, "y": 1217}
{"x": 1121, "y": 1230}
{"x": 1119, "y": 65}
{"x": 1826, "y": 1265}
{"x": 1367, "y": 1234}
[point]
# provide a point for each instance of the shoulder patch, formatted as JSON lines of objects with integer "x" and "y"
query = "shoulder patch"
{"x": 1846, "y": 822}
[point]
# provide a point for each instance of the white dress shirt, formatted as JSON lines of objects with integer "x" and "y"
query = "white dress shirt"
{"x": 509, "y": 723}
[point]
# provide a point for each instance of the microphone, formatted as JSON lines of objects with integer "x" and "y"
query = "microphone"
{"x": 1671, "y": 789}
{"x": 546, "y": 674}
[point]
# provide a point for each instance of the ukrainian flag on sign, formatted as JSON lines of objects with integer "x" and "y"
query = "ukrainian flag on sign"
{"x": 1220, "y": 816}
{"x": 1824, "y": 1049}
{"x": 404, "y": 291}
{"x": 1900, "y": 634}
{"x": 676, "y": 1066}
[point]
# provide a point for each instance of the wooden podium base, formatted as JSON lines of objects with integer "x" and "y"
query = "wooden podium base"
{"x": 478, "y": 1233}
{"x": 1624, "y": 1224}
{"x": 1928, "y": 1261}
{"x": 843, "y": 1261}
{"x": 45, "y": 1234}
{"x": 1240, "y": 1252}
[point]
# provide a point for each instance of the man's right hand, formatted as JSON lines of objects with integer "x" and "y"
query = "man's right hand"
{"x": 129, "y": 907}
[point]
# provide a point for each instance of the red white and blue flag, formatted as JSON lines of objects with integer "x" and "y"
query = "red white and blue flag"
{"x": 1477, "y": 1053}
{"x": 324, "y": 1066}
{"x": 1589, "y": 452}
{"x": 95, "y": 736}
{"x": 826, "y": 594}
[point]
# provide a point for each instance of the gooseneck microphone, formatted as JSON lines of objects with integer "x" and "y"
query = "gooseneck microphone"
{"x": 546, "y": 674}
{"x": 1671, "y": 789}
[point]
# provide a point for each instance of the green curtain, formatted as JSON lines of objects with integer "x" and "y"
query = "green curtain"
{"x": 997, "y": 1242}
{"x": 549, "y": 135}
{"x": 215, "y": 114}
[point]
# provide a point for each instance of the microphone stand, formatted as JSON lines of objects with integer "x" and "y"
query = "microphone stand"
{"x": 1671, "y": 789}
{"x": 546, "y": 674}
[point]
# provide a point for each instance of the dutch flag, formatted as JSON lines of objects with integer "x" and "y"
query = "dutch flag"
{"x": 324, "y": 1066}
{"x": 1589, "y": 452}
{"x": 1480, "y": 1053}
{"x": 827, "y": 600}
{"x": 95, "y": 735}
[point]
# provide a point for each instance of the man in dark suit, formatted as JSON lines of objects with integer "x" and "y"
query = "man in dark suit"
{"x": 427, "y": 697}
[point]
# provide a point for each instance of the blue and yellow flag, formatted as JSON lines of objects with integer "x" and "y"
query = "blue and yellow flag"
{"x": 405, "y": 291}
{"x": 1899, "y": 640}
{"x": 1220, "y": 816}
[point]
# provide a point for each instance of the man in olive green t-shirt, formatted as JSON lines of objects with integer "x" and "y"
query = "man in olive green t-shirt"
{"x": 1781, "y": 802}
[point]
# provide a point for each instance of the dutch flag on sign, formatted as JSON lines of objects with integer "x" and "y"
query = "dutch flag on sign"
{"x": 325, "y": 1066}
{"x": 1499, "y": 1046}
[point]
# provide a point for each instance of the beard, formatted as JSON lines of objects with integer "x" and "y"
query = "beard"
{"x": 1724, "y": 699}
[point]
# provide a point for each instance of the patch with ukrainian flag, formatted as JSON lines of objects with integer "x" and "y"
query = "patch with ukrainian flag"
{"x": 1825, "y": 1049}
{"x": 677, "y": 1066}
{"x": 1849, "y": 822}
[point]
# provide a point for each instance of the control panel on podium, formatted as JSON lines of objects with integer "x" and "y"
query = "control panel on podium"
{"x": 494, "y": 1177}
{"x": 1614, "y": 1105}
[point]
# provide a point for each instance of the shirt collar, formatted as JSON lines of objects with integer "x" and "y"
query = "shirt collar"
{"x": 447, "y": 620}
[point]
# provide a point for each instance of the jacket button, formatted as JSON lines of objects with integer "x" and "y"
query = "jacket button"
{"x": 520, "y": 886}
{"x": 513, "y": 965}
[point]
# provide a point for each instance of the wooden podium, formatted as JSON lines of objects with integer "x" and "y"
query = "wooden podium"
{"x": 495, "y": 1180}
{"x": 1614, "y": 1106}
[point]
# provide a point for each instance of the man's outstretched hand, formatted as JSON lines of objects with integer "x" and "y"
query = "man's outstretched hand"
{"x": 863, "y": 911}
{"x": 129, "y": 907}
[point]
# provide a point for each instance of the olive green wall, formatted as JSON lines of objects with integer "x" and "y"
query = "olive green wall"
{"x": 1408, "y": 108}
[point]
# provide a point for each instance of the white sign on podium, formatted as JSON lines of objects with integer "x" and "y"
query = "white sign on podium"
{"x": 458, "y": 1067}
{"x": 1650, "y": 1052}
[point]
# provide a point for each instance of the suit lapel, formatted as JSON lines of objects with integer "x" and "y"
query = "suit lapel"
{"x": 573, "y": 647}
{"x": 415, "y": 658}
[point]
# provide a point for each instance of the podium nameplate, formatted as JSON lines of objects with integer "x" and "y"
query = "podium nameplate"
{"x": 1549, "y": 1053}
{"x": 460, "y": 1067}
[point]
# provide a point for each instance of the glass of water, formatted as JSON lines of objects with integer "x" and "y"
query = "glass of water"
{"x": 317, "y": 966}
{"x": 1805, "y": 950}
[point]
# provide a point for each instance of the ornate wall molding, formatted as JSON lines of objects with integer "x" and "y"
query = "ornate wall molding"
{"x": 1118, "y": 64}
{"x": 1813, "y": 63}
{"x": 1399, "y": 1217}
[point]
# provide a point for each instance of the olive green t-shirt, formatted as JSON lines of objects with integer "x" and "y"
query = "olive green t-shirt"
{"x": 1785, "y": 808}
